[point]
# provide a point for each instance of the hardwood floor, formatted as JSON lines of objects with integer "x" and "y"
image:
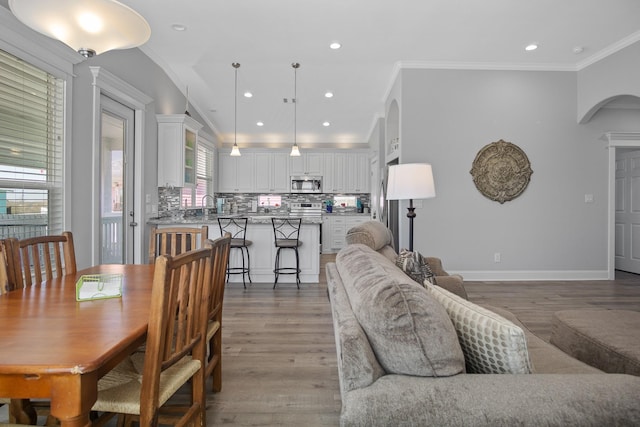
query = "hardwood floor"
{"x": 279, "y": 361}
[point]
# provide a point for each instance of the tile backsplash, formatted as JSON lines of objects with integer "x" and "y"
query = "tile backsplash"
{"x": 169, "y": 202}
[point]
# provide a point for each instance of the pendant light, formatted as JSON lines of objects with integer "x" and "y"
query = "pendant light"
{"x": 295, "y": 151}
{"x": 235, "y": 151}
{"x": 90, "y": 27}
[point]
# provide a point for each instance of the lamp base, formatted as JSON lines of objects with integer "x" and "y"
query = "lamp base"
{"x": 411, "y": 214}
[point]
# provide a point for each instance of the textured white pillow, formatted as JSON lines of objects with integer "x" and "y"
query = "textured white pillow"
{"x": 491, "y": 344}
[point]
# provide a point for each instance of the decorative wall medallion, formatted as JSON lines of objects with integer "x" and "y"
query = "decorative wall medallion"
{"x": 501, "y": 171}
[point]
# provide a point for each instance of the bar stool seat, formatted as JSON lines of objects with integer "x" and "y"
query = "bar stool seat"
{"x": 238, "y": 229}
{"x": 286, "y": 232}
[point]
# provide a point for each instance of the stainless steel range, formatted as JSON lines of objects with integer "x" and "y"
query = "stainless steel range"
{"x": 306, "y": 209}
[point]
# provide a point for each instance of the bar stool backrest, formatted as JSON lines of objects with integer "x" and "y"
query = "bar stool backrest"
{"x": 286, "y": 229}
{"x": 237, "y": 227}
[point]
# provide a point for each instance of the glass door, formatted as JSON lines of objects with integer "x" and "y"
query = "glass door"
{"x": 116, "y": 183}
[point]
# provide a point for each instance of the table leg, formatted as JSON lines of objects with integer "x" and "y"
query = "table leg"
{"x": 21, "y": 412}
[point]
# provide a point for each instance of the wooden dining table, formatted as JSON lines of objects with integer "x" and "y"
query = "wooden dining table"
{"x": 57, "y": 348}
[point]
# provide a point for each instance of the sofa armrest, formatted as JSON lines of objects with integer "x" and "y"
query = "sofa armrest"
{"x": 496, "y": 400}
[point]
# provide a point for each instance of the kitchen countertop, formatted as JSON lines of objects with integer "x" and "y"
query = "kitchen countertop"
{"x": 254, "y": 218}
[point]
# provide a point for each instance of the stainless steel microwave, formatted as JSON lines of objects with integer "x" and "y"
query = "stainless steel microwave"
{"x": 306, "y": 184}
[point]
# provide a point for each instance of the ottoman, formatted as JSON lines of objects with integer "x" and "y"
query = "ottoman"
{"x": 606, "y": 339}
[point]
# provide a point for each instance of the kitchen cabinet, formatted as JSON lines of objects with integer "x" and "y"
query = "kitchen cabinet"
{"x": 357, "y": 173}
{"x": 271, "y": 172}
{"x": 177, "y": 137}
{"x": 236, "y": 174}
{"x": 346, "y": 172}
{"x": 334, "y": 230}
{"x": 308, "y": 163}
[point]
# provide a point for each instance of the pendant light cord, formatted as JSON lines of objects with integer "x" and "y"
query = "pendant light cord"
{"x": 295, "y": 66}
{"x": 235, "y": 107}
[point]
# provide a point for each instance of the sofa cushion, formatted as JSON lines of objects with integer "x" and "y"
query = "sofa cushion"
{"x": 374, "y": 234}
{"x": 415, "y": 266}
{"x": 491, "y": 343}
{"x": 409, "y": 331}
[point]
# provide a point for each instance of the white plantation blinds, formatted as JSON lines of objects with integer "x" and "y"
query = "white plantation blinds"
{"x": 31, "y": 147}
{"x": 204, "y": 173}
{"x": 204, "y": 178}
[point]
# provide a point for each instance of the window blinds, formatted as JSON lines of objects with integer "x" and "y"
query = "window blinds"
{"x": 31, "y": 145}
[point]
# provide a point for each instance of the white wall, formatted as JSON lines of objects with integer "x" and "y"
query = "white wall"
{"x": 447, "y": 116}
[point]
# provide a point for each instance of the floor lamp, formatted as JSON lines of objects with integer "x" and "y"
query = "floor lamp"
{"x": 410, "y": 181}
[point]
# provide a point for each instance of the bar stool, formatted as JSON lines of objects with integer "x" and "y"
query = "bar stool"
{"x": 238, "y": 229}
{"x": 286, "y": 232}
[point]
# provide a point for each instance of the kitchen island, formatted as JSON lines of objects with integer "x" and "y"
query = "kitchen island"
{"x": 263, "y": 251}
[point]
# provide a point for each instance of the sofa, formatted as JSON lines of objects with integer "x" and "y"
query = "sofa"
{"x": 408, "y": 355}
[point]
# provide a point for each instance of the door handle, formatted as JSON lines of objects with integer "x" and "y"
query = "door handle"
{"x": 133, "y": 224}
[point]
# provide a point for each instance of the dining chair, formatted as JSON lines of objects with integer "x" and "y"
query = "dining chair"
{"x": 238, "y": 229}
{"x": 7, "y": 265}
{"x": 37, "y": 259}
{"x": 286, "y": 233}
{"x": 175, "y": 240}
{"x": 221, "y": 247}
{"x": 139, "y": 388}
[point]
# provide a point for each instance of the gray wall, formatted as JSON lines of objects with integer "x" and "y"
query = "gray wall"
{"x": 549, "y": 231}
{"x": 135, "y": 68}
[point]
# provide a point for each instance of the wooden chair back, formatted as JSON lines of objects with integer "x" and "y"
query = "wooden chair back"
{"x": 43, "y": 258}
{"x": 175, "y": 240}
{"x": 7, "y": 265}
{"x": 221, "y": 248}
{"x": 179, "y": 303}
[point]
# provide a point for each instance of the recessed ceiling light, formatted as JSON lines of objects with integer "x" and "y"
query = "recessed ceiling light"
{"x": 179, "y": 27}
{"x": 530, "y": 47}
{"x": 335, "y": 45}
{"x": 325, "y": 124}
{"x": 259, "y": 124}
{"x": 328, "y": 95}
{"x": 248, "y": 94}
{"x": 578, "y": 49}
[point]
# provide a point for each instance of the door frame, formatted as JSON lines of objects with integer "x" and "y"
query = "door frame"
{"x": 117, "y": 89}
{"x": 615, "y": 140}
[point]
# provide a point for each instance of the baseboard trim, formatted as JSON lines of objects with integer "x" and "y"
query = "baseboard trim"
{"x": 524, "y": 275}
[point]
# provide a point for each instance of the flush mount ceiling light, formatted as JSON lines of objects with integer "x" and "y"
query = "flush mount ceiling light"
{"x": 335, "y": 45}
{"x": 326, "y": 124}
{"x": 260, "y": 124}
{"x": 248, "y": 94}
{"x": 328, "y": 95}
{"x": 530, "y": 47}
{"x": 295, "y": 151}
{"x": 235, "y": 151}
{"x": 179, "y": 27}
{"x": 90, "y": 27}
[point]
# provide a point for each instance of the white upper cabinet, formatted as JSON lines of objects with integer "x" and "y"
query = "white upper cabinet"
{"x": 236, "y": 174}
{"x": 271, "y": 172}
{"x": 177, "y": 137}
{"x": 308, "y": 163}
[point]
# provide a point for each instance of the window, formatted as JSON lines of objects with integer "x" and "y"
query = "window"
{"x": 31, "y": 147}
{"x": 192, "y": 197}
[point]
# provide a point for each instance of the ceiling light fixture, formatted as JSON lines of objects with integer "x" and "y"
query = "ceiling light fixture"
{"x": 530, "y": 47}
{"x": 260, "y": 124}
{"x": 325, "y": 124}
{"x": 295, "y": 151}
{"x": 335, "y": 45}
{"x": 90, "y": 27}
{"x": 328, "y": 95}
{"x": 248, "y": 94}
{"x": 179, "y": 27}
{"x": 235, "y": 151}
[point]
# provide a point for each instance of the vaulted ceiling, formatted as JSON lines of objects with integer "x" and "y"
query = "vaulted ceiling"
{"x": 196, "y": 41}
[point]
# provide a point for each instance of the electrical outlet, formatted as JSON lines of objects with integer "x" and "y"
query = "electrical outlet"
{"x": 496, "y": 257}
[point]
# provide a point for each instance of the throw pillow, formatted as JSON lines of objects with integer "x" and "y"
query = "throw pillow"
{"x": 491, "y": 344}
{"x": 415, "y": 266}
{"x": 408, "y": 330}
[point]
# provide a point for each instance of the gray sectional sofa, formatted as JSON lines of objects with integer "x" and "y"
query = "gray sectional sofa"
{"x": 405, "y": 353}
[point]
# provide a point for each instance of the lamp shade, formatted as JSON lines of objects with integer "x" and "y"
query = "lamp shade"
{"x": 90, "y": 27}
{"x": 410, "y": 181}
